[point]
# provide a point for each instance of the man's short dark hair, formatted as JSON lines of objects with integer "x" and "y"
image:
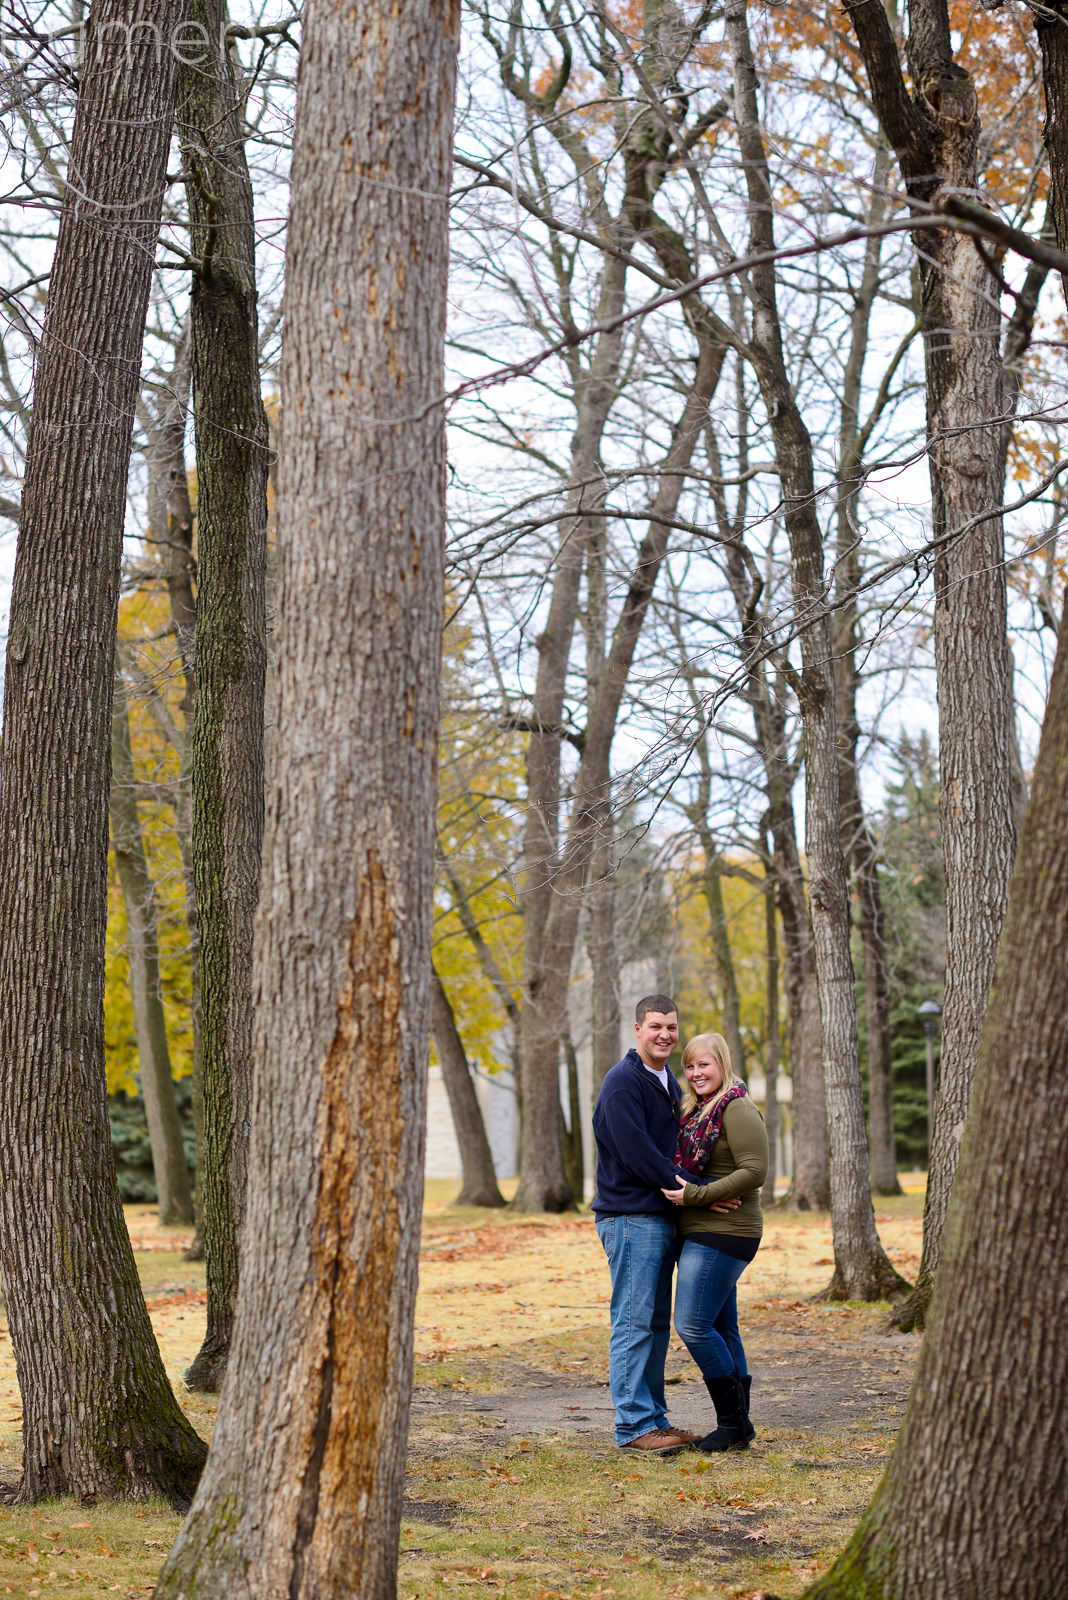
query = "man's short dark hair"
{"x": 655, "y": 1002}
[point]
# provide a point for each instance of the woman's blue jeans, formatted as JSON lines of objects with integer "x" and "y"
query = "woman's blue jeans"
{"x": 706, "y": 1309}
{"x": 641, "y": 1258}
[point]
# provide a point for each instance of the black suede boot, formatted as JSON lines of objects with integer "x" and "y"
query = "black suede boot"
{"x": 733, "y": 1429}
{"x": 747, "y": 1386}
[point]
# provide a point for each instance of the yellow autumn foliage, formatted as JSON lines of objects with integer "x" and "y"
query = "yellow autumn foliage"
{"x": 143, "y": 631}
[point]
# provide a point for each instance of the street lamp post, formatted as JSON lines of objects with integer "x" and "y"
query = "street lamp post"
{"x": 929, "y": 1013}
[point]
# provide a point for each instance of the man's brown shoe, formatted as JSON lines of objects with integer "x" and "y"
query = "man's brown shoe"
{"x": 661, "y": 1442}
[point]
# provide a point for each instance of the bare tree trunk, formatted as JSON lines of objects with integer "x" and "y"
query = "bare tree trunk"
{"x": 170, "y": 518}
{"x": 712, "y": 883}
{"x": 574, "y": 1160}
{"x": 99, "y": 1415}
{"x": 1049, "y": 25}
{"x": 862, "y": 1268}
{"x": 301, "y": 1499}
{"x": 555, "y": 881}
{"x": 542, "y": 1032}
{"x": 173, "y": 1190}
{"x": 546, "y": 968}
{"x": 605, "y": 1018}
{"x": 857, "y": 843}
{"x": 227, "y": 764}
{"x": 772, "y": 1117}
{"x": 935, "y": 133}
{"x": 479, "y": 1183}
{"x": 988, "y": 1411}
{"x": 810, "y": 1188}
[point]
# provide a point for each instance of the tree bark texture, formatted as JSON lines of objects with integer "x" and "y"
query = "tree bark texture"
{"x": 173, "y": 1189}
{"x": 987, "y": 1419}
{"x": 301, "y": 1499}
{"x": 230, "y": 655}
{"x": 862, "y": 1268}
{"x": 478, "y": 1186}
{"x": 99, "y": 1415}
{"x": 935, "y": 133}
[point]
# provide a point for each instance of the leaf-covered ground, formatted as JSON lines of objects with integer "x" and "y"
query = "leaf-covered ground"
{"x": 515, "y": 1487}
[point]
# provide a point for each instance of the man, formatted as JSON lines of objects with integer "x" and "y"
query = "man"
{"x": 635, "y": 1122}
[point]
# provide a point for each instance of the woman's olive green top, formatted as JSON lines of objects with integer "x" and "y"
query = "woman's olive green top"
{"x": 739, "y": 1166}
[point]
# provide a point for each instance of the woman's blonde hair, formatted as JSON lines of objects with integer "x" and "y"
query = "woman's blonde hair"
{"x": 707, "y": 1044}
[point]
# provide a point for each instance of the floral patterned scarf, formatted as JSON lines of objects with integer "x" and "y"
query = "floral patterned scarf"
{"x": 698, "y": 1135}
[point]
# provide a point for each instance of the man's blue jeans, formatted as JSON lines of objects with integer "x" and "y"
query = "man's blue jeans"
{"x": 641, "y": 1258}
{"x": 706, "y": 1309}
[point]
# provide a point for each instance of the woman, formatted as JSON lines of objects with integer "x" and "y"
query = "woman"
{"x": 722, "y": 1141}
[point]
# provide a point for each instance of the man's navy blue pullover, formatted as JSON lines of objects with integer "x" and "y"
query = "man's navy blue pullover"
{"x": 635, "y": 1122}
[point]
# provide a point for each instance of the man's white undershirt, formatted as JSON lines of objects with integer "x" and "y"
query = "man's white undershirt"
{"x": 660, "y": 1076}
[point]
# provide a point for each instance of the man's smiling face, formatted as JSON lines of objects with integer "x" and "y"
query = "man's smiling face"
{"x": 658, "y": 1034}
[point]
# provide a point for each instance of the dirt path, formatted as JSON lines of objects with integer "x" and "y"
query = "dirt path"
{"x": 802, "y": 1381}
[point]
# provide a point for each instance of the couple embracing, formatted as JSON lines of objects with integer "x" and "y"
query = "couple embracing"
{"x": 678, "y": 1181}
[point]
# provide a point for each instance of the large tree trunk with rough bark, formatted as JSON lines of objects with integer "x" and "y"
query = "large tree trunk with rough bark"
{"x": 862, "y": 1268}
{"x": 971, "y": 1505}
{"x": 173, "y": 1190}
{"x": 301, "y": 1499}
{"x": 230, "y": 656}
{"x": 478, "y": 1186}
{"x": 99, "y": 1415}
{"x": 935, "y": 133}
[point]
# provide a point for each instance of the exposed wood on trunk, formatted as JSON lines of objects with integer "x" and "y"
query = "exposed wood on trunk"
{"x": 227, "y": 767}
{"x": 173, "y": 1189}
{"x": 301, "y": 1499}
{"x": 99, "y": 1417}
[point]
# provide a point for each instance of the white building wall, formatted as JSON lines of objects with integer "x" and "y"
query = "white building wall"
{"x": 496, "y": 1097}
